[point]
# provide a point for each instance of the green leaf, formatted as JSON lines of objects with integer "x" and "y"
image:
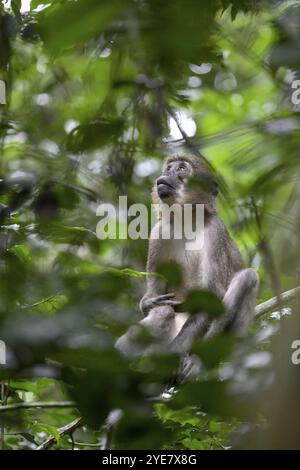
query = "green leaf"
{"x": 214, "y": 351}
{"x": 16, "y": 6}
{"x": 52, "y": 304}
{"x": 183, "y": 416}
{"x": 24, "y": 385}
{"x": 29, "y": 437}
{"x": 60, "y": 233}
{"x": 22, "y": 252}
{"x": 203, "y": 301}
{"x": 172, "y": 272}
{"x": 47, "y": 428}
{"x": 131, "y": 272}
{"x": 211, "y": 396}
{"x": 73, "y": 23}
{"x": 94, "y": 135}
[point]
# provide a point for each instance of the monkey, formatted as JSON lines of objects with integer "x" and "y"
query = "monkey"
{"x": 216, "y": 266}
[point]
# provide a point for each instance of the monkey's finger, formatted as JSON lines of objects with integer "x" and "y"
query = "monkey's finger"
{"x": 173, "y": 303}
{"x": 159, "y": 299}
{"x": 163, "y": 299}
{"x": 165, "y": 296}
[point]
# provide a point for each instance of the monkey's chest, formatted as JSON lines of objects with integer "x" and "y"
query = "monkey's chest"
{"x": 190, "y": 262}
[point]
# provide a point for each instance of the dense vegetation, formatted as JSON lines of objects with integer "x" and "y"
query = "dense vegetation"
{"x": 97, "y": 93}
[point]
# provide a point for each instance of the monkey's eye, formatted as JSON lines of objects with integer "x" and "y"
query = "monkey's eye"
{"x": 182, "y": 168}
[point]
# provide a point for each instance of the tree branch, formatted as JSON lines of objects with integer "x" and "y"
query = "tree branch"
{"x": 42, "y": 404}
{"x": 63, "y": 431}
{"x": 43, "y": 301}
{"x": 269, "y": 305}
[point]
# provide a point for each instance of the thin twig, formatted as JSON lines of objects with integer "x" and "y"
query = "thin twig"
{"x": 67, "y": 429}
{"x": 265, "y": 249}
{"x": 269, "y": 305}
{"x": 40, "y": 302}
{"x": 87, "y": 444}
{"x": 42, "y": 404}
{"x": 3, "y": 400}
{"x": 189, "y": 142}
{"x": 193, "y": 146}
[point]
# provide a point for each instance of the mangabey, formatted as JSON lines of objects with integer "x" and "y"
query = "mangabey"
{"x": 216, "y": 266}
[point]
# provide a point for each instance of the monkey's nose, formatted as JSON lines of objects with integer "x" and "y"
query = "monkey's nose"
{"x": 163, "y": 180}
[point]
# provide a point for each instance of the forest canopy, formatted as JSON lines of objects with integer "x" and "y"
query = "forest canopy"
{"x": 94, "y": 94}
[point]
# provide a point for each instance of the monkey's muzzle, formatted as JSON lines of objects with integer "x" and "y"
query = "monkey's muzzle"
{"x": 165, "y": 187}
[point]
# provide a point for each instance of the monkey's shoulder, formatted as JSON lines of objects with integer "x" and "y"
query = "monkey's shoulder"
{"x": 221, "y": 246}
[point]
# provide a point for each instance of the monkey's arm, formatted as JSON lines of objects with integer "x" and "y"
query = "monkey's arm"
{"x": 156, "y": 294}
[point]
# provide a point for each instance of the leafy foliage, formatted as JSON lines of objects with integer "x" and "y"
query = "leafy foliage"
{"x": 97, "y": 94}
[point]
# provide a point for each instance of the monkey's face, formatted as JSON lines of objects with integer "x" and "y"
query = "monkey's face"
{"x": 173, "y": 178}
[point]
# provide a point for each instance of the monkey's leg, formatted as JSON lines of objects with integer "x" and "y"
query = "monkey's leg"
{"x": 190, "y": 367}
{"x": 161, "y": 325}
{"x": 239, "y": 302}
{"x": 195, "y": 326}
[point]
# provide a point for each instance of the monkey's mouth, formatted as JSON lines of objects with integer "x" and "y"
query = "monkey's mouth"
{"x": 165, "y": 189}
{"x": 165, "y": 185}
{"x": 164, "y": 182}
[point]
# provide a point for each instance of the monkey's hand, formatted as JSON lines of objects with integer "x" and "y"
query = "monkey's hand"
{"x": 160, "y": 323}
{"x": 147, "y": 304}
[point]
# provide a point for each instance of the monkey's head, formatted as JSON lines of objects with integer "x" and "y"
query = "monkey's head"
{"x": 185, "y": 180}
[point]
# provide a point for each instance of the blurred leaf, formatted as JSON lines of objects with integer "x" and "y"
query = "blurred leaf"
{"x": 215, "y": 350}
{"x": 29, "y": 437}
{"x": 47, "y": 428}
{"x": 94, "y": 135}
{"x": 52, "y": 304}
{"x": 211, "y": 396}
{"x": 22, "y": 251}
{"x": 88, "y": 86}
{"x": 203, "y": 301}
{"x": 16, "y": 5}
{"x": 172, "y": 272}
{"x": 68, "y": 24}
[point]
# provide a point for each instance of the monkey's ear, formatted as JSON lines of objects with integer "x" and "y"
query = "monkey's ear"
{"x": 215, "y": 190}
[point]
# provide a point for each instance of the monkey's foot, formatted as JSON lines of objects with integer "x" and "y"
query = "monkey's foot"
{"x": 190, "y": 368}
